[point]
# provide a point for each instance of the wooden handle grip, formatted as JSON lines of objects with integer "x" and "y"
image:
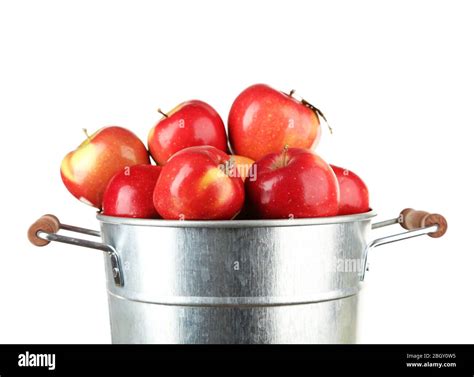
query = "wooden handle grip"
{"x": 413, "y": 219}
{"x": 46, "y": 223}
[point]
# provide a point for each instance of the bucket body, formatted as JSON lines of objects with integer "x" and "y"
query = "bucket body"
{"x": 278, "y": 281}
{"x": 236, "y": 281}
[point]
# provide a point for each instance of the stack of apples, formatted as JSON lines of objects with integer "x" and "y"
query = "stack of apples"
{"x": 267, "y": 169}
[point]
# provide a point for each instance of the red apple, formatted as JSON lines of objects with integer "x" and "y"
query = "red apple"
{"x": 353, "y": 191}
{"x": 189, "y": 124}
{"x": 130, "y": 192}
{"x": 263, "y": 120}
{"x": 295, "y": 183}
{"x": 87, "y": 170}
{"x": 199, "y": 183}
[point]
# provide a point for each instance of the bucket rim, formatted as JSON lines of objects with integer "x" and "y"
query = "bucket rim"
{"x": 236, "y": 223}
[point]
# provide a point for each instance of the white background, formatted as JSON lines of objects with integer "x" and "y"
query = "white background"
{"x": 395, "y": 79}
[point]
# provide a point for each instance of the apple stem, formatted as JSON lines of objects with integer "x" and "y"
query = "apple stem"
{"x": 162, "y": 113}
{"x": 86, "y": 133}
{"x": 285, "y": 154}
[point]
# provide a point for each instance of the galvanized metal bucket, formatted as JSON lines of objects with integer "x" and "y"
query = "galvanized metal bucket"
{"x": 238, "y": 281}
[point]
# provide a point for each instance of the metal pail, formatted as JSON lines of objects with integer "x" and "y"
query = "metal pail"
{"x": 238, "y": 281}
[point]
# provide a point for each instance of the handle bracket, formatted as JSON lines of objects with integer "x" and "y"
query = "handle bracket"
{"x": 417, "y": 223}
{"x": 45, "y": 229}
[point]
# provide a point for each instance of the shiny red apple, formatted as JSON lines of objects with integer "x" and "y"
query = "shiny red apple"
{"x": 199, "y": 183}
{"x": 294, "y": 183}
{"x": 130, "y": 192}
{"x": 353, "y": 191}
{"x": 87, "y": 170}
{"x": 263, "y": 120}
{"x": 189, "y": 124}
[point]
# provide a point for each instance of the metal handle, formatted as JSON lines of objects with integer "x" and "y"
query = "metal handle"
{"x": 418, "y": 223}
{"x": 44, "y": 230}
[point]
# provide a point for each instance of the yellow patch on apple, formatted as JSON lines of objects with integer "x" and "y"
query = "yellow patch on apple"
{"x": 81, "y": 159}
{"x": 211, "y": 176}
